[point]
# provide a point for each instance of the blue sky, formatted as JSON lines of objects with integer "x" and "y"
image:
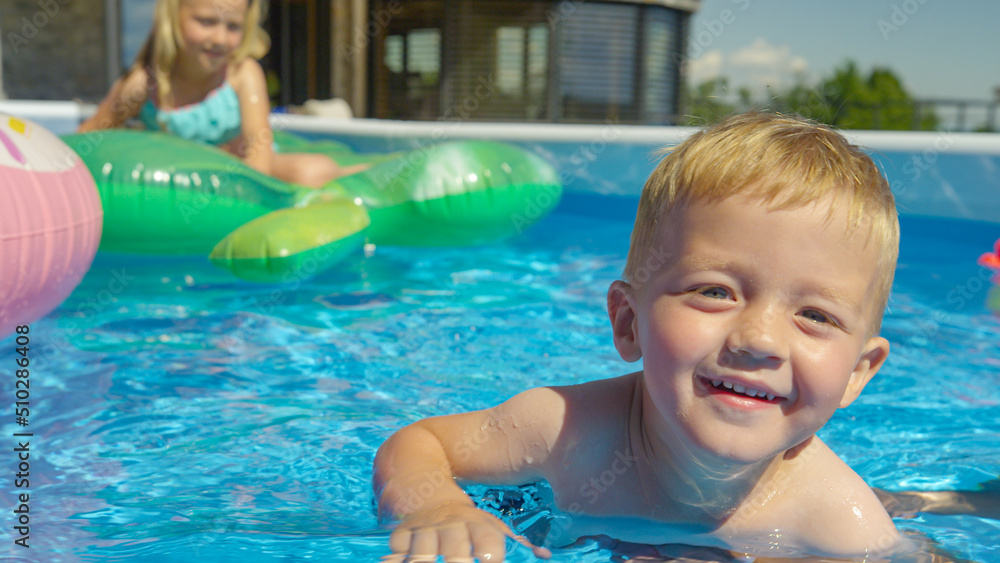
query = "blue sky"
{"x": 939, "y": 48}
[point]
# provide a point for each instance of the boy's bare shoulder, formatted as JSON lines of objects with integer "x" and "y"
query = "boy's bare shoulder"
{"x": 579, "y": 425}
{"x": 609, "y": 397}
{"x": 582, "y": 409}
{"x": 828, "y": 508}
{"x": 536, "y": 434}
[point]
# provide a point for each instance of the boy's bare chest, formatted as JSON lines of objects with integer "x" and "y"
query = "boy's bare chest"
{"x": 757, "y": 531}
{"x": 617, "y": 498}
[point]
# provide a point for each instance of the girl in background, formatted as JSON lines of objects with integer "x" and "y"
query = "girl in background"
{"x": 197, "y": 76}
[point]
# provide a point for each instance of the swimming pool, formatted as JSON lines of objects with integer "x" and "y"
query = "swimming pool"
{"x": 179, "y": 414}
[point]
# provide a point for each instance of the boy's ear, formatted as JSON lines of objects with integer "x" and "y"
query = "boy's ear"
{"x": 872, "y": 357}
{"x": 621, "y": 311}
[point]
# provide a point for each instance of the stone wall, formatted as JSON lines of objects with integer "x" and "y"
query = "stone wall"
{"x": 54, "y": 49}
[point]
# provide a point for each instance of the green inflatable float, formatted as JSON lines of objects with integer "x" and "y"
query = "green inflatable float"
{"x": 165, "y": 195}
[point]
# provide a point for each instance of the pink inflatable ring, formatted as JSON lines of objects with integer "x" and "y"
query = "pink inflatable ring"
{"x": 50, "y": 222}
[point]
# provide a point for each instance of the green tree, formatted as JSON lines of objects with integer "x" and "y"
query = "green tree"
{"x": 846, "y": 99}
{"x": 706, "y": 103}
{"x": 876, "y": 102}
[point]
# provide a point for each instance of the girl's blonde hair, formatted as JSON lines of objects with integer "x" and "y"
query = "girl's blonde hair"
{"x": 159, "y": 53}
{"x": 783, "y": 161}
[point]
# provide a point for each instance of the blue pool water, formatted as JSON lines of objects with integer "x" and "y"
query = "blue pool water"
{"x": 181, "y": 415}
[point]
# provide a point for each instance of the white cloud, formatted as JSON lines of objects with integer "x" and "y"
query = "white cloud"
{"x": 760, "y": 54}
{"x": 757, "y": 66}
{"x": 799, "y": 66}
{"x": 705, "y": 67}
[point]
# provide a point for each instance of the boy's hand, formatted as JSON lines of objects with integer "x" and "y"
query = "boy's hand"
{"x": 456, "y": 531}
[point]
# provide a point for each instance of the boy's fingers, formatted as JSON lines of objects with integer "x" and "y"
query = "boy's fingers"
{"x": 483, "y": 540}
{"x": 455, "y": 544}
{"x": 541, "y": 552}
{"x": 424, "y": 546}
{"x": 538, "y": 551}
{"x": 488, "y": 543}
{"x": 399, "y": 540}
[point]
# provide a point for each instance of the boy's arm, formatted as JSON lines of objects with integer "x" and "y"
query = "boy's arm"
{"x": 122, "y": 102}
{"x": 984, "y": 502}
{"x": 416, "y": 467}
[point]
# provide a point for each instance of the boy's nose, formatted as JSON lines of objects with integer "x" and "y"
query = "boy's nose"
{"x": 757, "y": 336}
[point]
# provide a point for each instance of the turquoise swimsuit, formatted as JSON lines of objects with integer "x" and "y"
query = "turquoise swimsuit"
{"x": 214, "y": 120}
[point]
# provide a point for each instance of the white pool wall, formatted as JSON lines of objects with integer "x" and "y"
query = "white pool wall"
{"x": 934, "y": 173}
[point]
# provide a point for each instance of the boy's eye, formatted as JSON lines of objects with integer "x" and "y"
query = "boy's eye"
{"x": 817, "y": 317}
{"x": 715, "y": 292}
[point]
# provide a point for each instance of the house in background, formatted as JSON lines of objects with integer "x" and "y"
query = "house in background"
{"x": 57, "y": 49}
{"x": 488, "y": 60}
{"x": 492, "y": 60}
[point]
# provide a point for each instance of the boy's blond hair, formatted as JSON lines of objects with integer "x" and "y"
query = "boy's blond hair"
{"x": 785, "y": 162}
{"x": 159, "y": 53}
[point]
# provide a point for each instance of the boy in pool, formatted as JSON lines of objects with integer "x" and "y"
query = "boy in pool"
{"x": 759, "y": 268}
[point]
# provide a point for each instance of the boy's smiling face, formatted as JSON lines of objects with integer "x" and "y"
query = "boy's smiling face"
{"x": 757, "y": 327}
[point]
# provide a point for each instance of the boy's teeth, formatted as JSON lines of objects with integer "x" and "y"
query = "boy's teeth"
{"x": 750, "y": 392}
